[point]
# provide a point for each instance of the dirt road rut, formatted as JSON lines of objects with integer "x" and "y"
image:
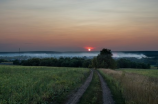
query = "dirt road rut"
{"x": 75, "y": 97}
{"x": 107, "y": 96}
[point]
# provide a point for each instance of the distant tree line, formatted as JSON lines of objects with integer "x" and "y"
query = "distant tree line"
{"x": 3, "y": 60}
{"x": 103, "y": 60}
{"x": 57, "y": 62}
{"x": 125, "y": 63}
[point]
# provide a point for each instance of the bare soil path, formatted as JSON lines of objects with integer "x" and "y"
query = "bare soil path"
{"x": 76, "y": 96}
{"x": 107, "y": 96}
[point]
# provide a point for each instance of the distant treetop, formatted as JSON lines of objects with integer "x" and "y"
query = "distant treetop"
{"x": 106, "y": 52}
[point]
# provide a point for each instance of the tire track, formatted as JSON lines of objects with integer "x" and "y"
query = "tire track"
{"x": 107, "y": 96}
{"x": 75, "y": 97}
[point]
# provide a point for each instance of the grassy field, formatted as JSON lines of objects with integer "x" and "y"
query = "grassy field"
{"x": 141, "y": 88}
{"x": 113, "y": 84}
{"x": 32, "y": 85}
{"x": 153, "y": 67}
{"x": 93, "y": 94}
{"x": 146, "y": 72}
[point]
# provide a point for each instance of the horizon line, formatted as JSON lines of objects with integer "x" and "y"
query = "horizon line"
{"x": 76, "y": 51}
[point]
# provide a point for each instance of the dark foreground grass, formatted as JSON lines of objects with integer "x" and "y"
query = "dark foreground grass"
{"x": 93, "y": 94}
{"x": 115, "y": 88}
{"x": 38, "y": 85}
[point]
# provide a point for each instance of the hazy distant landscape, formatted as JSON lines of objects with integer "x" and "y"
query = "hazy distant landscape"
{"x": 46, "y": 54}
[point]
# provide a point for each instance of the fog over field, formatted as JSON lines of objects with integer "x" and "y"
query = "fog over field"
{"x": 135, "y": 55}
{"x": 69, "y": 54}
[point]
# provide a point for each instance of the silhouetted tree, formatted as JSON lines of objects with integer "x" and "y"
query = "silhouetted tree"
{"x": 105, "y": 59}
{"x": 95, "y": 62}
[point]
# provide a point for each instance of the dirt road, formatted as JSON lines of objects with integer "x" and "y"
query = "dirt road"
{"x": 107, "y": 96}
{"x": 75, "y": 97}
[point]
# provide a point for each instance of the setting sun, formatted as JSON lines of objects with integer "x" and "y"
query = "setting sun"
{"x": 89, "y": 48}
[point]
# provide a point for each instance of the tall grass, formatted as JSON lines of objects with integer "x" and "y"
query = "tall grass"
{"x": 115, "y": 88}
{"x": 146, "y": 72}
{"x": 137, "y": 89}
{"x": 32, "y": 85}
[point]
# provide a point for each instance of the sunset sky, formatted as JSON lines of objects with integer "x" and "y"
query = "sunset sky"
{"x": 72, "y": 25}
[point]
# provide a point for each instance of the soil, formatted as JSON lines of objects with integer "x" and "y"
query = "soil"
{"x": 76, "y": 96}
{"x": 107, "y": 96}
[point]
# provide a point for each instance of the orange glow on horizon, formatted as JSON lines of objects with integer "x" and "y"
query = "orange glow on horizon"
{"x": 89, "y": 48}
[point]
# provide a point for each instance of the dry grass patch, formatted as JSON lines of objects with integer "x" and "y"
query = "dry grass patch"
{"x": 137, "y": 89}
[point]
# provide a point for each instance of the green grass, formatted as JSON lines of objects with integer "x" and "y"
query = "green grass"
{"x": 115, "y": 88}
{"x": 32, "y": 85}
{"x": 136, "y": 88}
{"x": 93, "y": 94}
{"x": 146, "y": 72}
{"x": 153, "y": 67}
